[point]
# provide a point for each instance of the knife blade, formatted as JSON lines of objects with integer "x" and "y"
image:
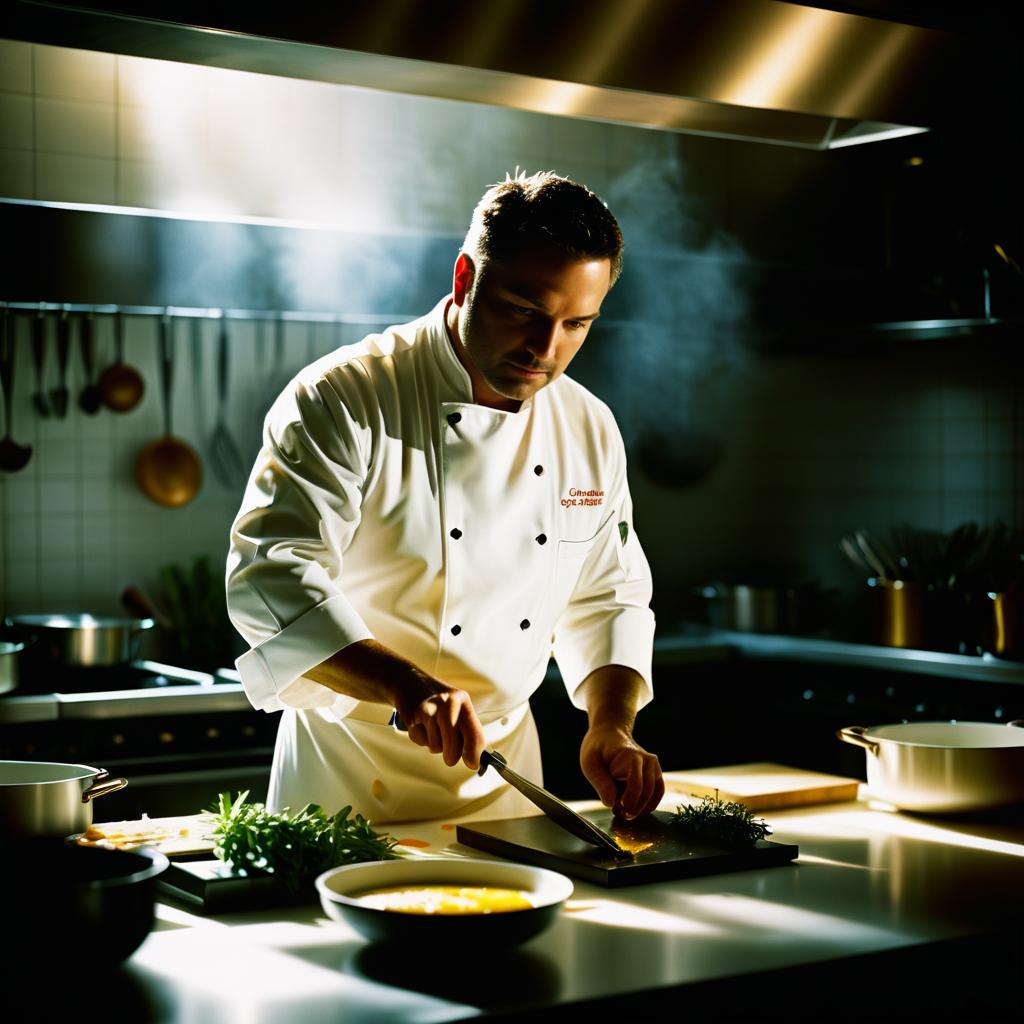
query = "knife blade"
{"x": 560, "y": 813}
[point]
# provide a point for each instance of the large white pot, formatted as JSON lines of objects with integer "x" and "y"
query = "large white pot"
{"x": 942, "y": 767}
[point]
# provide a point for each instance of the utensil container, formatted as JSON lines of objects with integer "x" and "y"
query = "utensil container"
{"x": 897, "y": 613}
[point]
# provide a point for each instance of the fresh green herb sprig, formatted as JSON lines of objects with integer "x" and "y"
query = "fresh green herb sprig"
{"x": 720, "y": 821}
{"x": 297, "y": 847}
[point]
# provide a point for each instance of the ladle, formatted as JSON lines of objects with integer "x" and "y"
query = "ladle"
{"x": 168, "y": 470}
{"x": 224, "y": 453}
{"x": 59, "y": 395}
{"x": 121, "y": 385}
{"x": 90, "y": 398}
{"x": 39, "y": 399}
{"x": 12, "y": 456}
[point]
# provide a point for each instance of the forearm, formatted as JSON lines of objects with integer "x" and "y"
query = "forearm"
{"x": 367, "y": 670}
{"x": 437, "y": 716}
{"x": 612, "y": 695}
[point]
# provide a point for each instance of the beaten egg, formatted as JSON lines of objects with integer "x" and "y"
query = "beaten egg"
{"x": 446, "y": 899}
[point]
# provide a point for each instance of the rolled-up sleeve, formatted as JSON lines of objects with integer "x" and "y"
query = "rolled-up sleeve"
{"x": 300, "y": 510}
{"x": 608, "y": 620}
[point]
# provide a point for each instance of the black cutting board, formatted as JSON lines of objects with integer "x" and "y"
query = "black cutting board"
{"x": 538, "y": 840}
{"x": 210, "y": 886}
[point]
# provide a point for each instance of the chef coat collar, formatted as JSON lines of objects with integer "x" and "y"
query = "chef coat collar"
{"x": 452, "y": 370}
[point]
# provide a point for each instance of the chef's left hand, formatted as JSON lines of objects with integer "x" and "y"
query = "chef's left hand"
{"x": 626, "y": 777}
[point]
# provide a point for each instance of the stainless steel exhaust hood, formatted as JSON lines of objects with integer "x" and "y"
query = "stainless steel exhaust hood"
{"x": 759, "y": 70}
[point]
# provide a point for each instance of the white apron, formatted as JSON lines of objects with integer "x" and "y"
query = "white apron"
{"x": 474, "y": 542}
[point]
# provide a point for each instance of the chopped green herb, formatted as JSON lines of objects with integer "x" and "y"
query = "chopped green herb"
{"x": 254, "y": 841}
{"x": 719, "y": 821}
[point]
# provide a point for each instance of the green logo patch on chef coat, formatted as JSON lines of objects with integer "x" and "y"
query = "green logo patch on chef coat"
{"x": 623, "y": 531}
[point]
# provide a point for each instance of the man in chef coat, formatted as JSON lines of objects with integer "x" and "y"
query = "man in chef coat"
{"x": 437, "y": 510}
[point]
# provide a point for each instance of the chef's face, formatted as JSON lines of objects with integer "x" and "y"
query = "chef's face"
{"x": 518, "y": 322}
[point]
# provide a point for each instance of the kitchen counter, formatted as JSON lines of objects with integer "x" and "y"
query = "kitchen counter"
{"x": 880, "y": 907}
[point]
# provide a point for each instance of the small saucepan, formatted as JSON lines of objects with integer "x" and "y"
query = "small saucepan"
{"x": 943, "y": 767}
{"x": 47, "y": 798}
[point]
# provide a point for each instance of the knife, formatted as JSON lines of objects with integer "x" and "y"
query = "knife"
{"x": 558, "y": 811}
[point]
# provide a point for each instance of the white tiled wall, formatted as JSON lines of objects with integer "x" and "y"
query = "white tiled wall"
{"x": 813, "y": 446}
{"x": 816, "y": 446}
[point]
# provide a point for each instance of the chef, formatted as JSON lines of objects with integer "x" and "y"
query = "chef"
{"x": 437, "y": 510}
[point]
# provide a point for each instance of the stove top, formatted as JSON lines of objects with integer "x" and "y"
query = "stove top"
{"x": 138, "y": 675}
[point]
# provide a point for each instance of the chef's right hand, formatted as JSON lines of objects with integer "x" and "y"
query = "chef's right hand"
{"x": 442, "y": 718}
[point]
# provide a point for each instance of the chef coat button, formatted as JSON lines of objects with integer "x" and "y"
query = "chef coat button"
{"x": 525, "y": 624}
{"x": 538, "y": 470}
{"x": 541, "y": 538}
{"x": 454, "y": 417}
{"x": 456, "y": 533}
{"x": 456, "y": 630}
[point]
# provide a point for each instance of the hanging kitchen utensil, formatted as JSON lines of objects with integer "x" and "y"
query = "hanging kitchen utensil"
{"x": 224, "y": 454}
{"x": 90, "y": 399}
{"x": 260, "y": 374}
{"x": 39, "y": 399}
{"x": 12, "y": 456}
{"x": 195, "y": 342}
{"x": 274, "y": 379}
{"x": 121, "y": 385}
{"x": 168, "y": 470}
{"x": 59, "y": 394}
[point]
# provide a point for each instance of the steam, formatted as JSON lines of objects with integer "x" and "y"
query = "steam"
{"x": 668, "y": 358}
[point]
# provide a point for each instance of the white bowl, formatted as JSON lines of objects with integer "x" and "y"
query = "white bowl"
{"x": 340, "y": 887}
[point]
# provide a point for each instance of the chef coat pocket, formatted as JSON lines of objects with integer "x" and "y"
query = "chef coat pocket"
{"x": 569, "y": 564}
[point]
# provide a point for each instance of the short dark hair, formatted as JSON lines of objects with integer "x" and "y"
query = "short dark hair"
{"x": 543, "y": 207}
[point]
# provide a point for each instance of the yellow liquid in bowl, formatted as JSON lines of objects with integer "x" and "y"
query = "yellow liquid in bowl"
{"x": 445, "y": 899}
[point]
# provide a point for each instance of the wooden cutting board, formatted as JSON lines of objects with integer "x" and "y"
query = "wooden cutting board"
{"x": 761, "y": 785}
{"x": 184, "y": 837}
{"x": 661, "y": 853}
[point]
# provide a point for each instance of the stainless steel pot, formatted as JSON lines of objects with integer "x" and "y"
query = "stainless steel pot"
{"x": 942, "y": 767}
{"x": 84, "y": 640}
{"x": 9, "y": 652}
{"x": 752, "y": 608}
{"x": 46, "y": 798}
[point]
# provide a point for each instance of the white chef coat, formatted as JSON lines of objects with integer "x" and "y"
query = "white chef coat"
{"x": 475, "y": 542}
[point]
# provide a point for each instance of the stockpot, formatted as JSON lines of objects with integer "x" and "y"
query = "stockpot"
{"x": 9, "y": 653}
{"x": 943, "y": 767}
{"x": 46, "y": 798}
{"x": 83, "y": 639}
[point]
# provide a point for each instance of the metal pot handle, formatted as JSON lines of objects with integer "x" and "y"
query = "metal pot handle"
{"x": 102, "y": 788}
{"x": 854, "y": 734}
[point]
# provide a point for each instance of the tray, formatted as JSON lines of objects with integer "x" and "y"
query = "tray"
{"x": 661, "y": 854}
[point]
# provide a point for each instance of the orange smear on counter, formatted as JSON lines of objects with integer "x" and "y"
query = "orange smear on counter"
{"x": 412, "y": 842}
{"x": 448, "y": 826}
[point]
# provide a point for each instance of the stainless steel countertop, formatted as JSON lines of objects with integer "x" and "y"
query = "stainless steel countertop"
{"x": 867, "y": 881}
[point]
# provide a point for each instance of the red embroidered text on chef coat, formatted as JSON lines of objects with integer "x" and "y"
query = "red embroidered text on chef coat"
{"x": 579, "y": 497}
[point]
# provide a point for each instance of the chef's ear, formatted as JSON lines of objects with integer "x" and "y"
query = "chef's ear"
{"x": 463, "y": 278}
